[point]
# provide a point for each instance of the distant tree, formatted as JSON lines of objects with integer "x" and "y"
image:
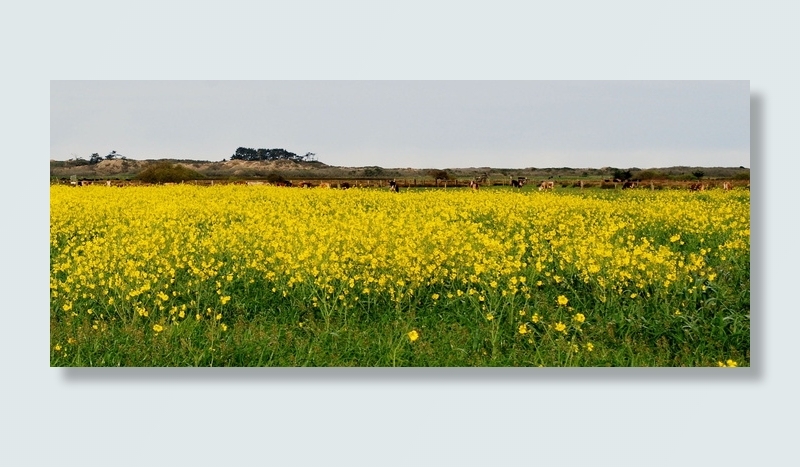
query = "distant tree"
{"x": 245, "y": 154}
{"x": 111, "y": 155}
{"x": 282, "y": 154}
{"x": 95, "y": 159}
{"x": 250, "y": 154}
{"x": 698, "y": 174}
{"x": 439, "y": 174}
{"x": 623, "y": 175}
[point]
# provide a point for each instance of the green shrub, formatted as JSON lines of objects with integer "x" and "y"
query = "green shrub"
{"x": 650, "y": 175}
{"x": 164, "y": 172}
{"x": 275, "y": 178}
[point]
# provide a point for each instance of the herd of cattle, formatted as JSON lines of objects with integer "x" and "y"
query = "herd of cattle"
{"x": 395, "y": 187}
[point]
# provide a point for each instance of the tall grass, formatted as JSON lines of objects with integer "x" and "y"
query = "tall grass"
{"x": 262, "y": 276}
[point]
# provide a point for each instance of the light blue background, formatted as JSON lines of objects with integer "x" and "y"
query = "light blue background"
{"x": 134, "y": 417}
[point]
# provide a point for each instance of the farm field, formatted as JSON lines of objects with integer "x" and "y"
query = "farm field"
{"x": 266, "y": 276}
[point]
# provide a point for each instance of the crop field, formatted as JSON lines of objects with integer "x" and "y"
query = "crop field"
{"x": 266, "y": 276}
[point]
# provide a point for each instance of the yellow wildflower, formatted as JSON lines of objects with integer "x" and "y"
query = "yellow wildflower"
{"x": 413, "y": 335}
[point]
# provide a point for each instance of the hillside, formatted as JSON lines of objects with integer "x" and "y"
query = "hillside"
{"x": 237, "y": 169}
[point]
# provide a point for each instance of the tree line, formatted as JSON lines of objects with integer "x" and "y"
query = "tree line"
{"x": 96, "y": 158}
{"x": 250, "y": 154}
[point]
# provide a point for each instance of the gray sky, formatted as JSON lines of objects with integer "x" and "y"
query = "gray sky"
{"x": 411, "y": 123}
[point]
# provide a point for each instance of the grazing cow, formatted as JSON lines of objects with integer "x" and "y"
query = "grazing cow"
{"x": 344, "y": 186}
{"x": 305, "y": 184}
{"x": 629, "y": 184}
{"x": 545, "y": 185}
{"x": 393, "y": 186}
{"x": 474, "y": 185}
{"x": 254, "y": 183}
{"x": 519, "y": 182}
{"x": 697, "y": 187}
{"x": 726, "y": 186}
{"x": 325, "y": 185}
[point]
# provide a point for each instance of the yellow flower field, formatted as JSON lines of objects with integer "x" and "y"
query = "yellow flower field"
{"x": 210, "y": 258}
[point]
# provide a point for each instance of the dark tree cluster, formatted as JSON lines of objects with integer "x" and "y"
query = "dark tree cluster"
{"x": 97, "y": 158}
{"x": 439, "y": 174}
{"x": 250, "y": 154}
{"x": 622, "y": 175}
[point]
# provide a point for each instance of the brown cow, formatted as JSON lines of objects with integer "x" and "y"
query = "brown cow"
{"x": 697, "y": 187}
{"x": 726, "y": 186}
{"x": 474, "y": 185}
{"x": 545, "y": 185}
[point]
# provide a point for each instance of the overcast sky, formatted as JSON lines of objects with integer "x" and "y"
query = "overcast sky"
{"x": 423, "y": 124}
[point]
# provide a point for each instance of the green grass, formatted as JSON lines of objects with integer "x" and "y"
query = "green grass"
{"x": 699, "y": 324}
{"x": 276, "y": 331}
